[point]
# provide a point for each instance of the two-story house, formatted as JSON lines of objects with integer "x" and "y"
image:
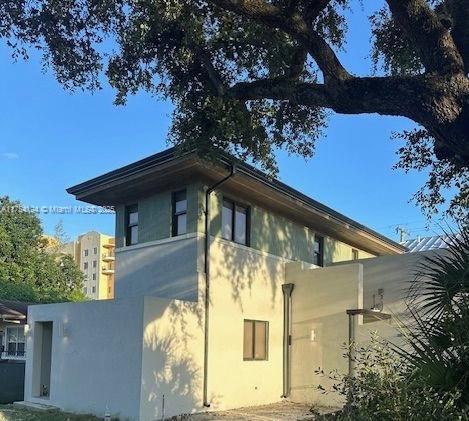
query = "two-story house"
{"x": 227, "y": 283}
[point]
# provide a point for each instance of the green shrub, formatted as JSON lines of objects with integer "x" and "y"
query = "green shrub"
{"x": 384, "y": 387}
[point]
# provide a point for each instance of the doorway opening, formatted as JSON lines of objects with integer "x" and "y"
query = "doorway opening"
{"x": 42, "y": 359}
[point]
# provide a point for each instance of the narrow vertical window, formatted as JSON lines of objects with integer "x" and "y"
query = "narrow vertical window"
{"x": 227, "y": 220}
{"x": 131, "y": 237}
{"x": 256, "y": 339}
{"x": 318, "y": 250}
{"x": 235, "y": 218}
{"x": 179, "y": 213}
{"x": 354, "y": 254}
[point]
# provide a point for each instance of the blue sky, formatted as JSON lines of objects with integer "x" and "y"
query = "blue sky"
{"x": 51, "y": 139}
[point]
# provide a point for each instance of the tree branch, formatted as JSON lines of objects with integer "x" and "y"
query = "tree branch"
{"x": 294, "y": 25}
{"x": 430, "y": 38}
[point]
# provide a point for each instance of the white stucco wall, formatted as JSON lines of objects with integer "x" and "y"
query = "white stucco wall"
{"x": 172, "y": 358}
{"x": 245, "y": 284}
{"x": 164, "y": 268}
{"x": 319, "y": 300}
{"x": 96, "y": 356}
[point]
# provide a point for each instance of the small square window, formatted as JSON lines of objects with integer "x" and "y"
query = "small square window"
{"x": 256, "y": 340}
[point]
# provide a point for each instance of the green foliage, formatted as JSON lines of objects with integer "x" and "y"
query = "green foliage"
{"x": 417, "y": 154}
{"x": 386, "y": 388}
{"x": 391, "y": 50}
{"x": 194, "y": 53}
{"x": 29, "y": 270}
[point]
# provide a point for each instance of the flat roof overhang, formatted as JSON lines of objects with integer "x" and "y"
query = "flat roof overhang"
{"x": 167, "y": 170}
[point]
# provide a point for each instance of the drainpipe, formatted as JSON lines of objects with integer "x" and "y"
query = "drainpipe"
{"x": 287, "y": 291}
{"x": 208, "y": 192}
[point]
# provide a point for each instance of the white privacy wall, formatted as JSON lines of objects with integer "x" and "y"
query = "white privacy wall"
{"x": 96, "y": 356}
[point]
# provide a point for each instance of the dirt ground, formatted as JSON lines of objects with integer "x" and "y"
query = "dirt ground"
{"x": 279, "y": 411}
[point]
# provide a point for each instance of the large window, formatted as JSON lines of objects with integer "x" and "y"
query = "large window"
{"x": 15, "y": 344}
{"x": 256, "y": 339}
{"x": 235, "y": 222}
{"x": 131, "y": 237}
{"x": 179, "y": 219}
{"x": 318, "y": 250}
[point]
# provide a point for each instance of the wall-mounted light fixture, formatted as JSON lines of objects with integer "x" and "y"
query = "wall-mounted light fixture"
{"x": 63, "y": 330}
{"x": 313, "y": 335}
{"x": 378, "y": 301}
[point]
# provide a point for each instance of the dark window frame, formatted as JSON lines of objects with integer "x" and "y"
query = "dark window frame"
{"x": 128, "y": 226}
{"x": 175, "y": 215}
{"x": 266, "y": 323}
{"x": 320, "y": 260}
{"x": 234, "y": 204}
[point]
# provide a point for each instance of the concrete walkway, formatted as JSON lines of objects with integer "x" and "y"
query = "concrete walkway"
{"x": 279, "y": 411}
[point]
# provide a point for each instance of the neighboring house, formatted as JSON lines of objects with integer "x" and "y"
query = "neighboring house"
{"x": 13, "y": 316}
{"x": 94, "y": 254}
{"x": 242, "y": 316}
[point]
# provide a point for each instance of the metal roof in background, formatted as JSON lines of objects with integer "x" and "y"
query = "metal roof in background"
{"x": 429, "y": 243}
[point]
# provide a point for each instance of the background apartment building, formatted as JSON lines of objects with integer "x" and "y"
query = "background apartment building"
{"x": 94, "y": 254}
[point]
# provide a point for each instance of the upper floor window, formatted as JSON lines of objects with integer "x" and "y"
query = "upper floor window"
{"x": 318, "y": 250}
{"x": 256, "y": 339}
{"x": 95, "y": 250}
{"x": 179, "y": 218}
{"x": 354, "y": 254}
{"x": 131, "y": 237}
{"x": 85, "y": 253}
{"x": 235, "y": 222}
{"x": 85, "y": 265}
{"x": 95, "y": 263}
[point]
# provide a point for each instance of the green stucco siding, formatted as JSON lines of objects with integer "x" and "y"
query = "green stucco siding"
{"x": 269, "y": 232}
{"x": 154, "y": 215}
{"x": 280, "y": 236}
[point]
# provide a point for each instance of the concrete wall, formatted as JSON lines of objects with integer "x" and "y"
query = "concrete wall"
{"x": 96, "y": 356}
{"x": 166, "y": 268}
{"x": 319, "y": 300}
{"x": 172, "y": 358}
{"x": 245, "y": 284}
{"x": 393, "y": 275}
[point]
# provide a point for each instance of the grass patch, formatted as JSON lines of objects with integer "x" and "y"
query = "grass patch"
{"x": 14, "y": 413}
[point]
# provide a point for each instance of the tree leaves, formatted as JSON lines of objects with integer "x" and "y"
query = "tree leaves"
{"x": 28, "y": 269}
